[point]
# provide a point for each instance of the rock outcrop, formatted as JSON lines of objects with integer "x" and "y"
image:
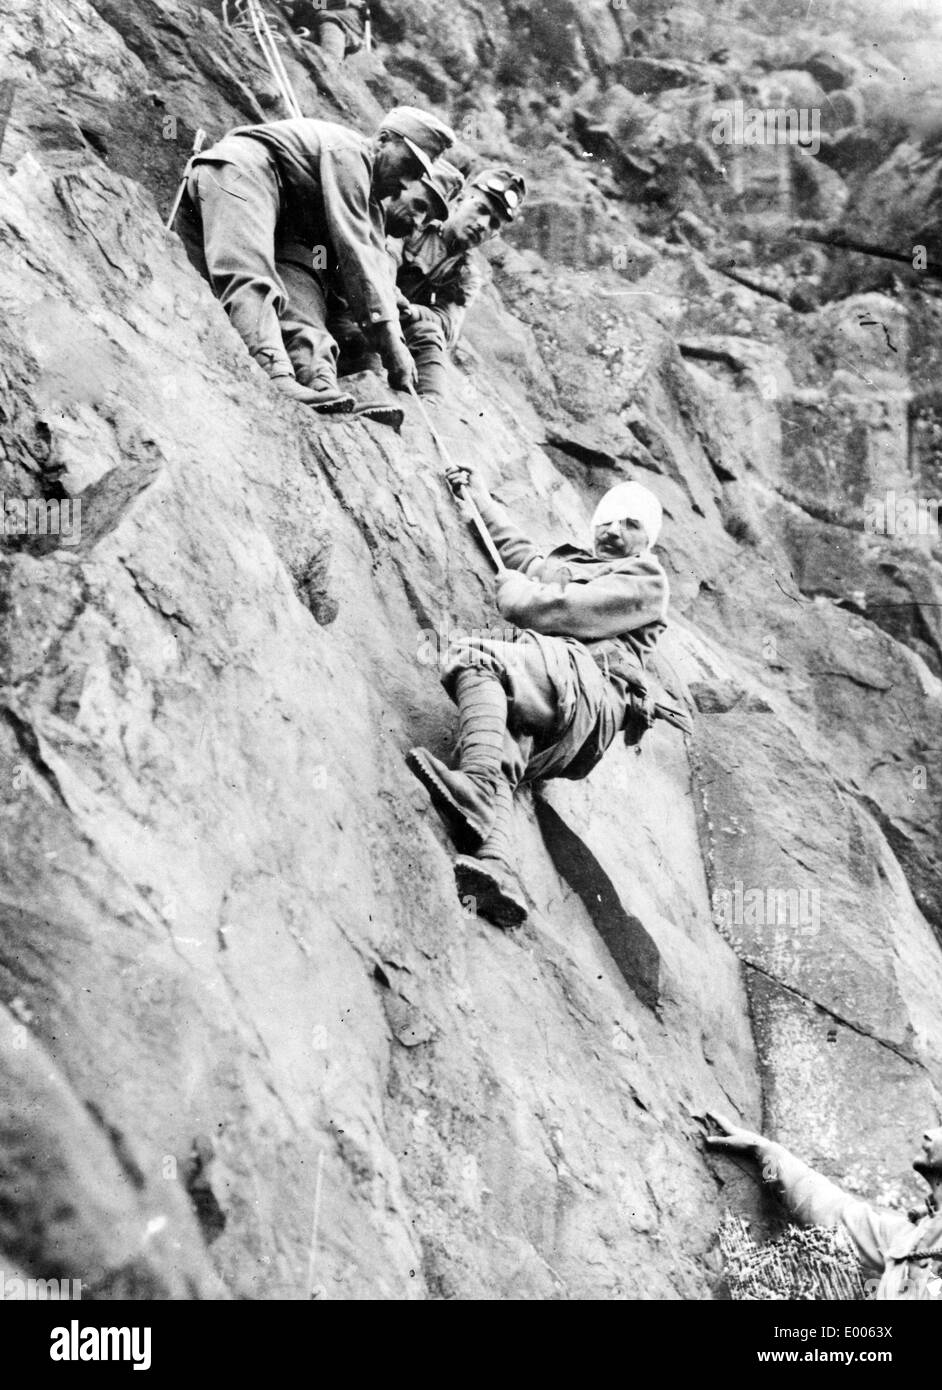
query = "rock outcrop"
{"x": 251, "y": 1045}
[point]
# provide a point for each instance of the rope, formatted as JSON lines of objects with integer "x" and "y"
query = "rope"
{"x": 470, "y": 511}
{"x": 273, "y": 59}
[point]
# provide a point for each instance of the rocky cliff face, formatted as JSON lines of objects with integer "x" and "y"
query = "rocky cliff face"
{"x": 251, "y": 1045}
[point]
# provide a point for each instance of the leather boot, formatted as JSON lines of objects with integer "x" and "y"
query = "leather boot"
{"x": 488, "y": 879}
{"x": 373, "y": 399}
{"x": 329, "y": 402}
{"x": 465, "y": 797}
{"x": 382, "y": 413}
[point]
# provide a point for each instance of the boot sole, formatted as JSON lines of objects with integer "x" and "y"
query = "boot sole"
{"x": 466, "y": 836}
{"x": 342, "y": 405}
{"x": 492, "y": 897}
{"x": 382, "y": 414}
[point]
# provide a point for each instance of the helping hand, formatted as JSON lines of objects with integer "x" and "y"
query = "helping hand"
{"x": 416, "y": 313}
{"x": 732, "y": 1137}
{"x": 397, "y": 359}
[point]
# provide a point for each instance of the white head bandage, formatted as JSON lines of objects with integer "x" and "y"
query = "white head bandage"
{"x": 632, "y": 500}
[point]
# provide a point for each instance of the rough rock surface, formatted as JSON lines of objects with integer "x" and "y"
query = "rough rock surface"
{"x": 261, "y": 1048}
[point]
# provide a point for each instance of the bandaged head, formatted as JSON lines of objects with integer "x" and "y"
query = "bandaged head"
{"x": 634, "y": 501}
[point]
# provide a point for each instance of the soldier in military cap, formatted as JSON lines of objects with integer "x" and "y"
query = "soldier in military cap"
{"x": 425, "y": 200}
{"x": 440, "y": 275}
{"x": 284, "y": 206}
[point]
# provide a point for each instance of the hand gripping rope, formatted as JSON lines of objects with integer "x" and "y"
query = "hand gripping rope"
{"x": 468, "y": 509}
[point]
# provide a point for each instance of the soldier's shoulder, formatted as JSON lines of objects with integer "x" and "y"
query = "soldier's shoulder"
{"x": 332, "y": 134}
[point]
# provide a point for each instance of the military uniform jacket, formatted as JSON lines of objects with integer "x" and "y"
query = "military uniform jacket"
{"x": 891, "y": 1248}
{"x": 613, "y": 607}
{"x": 325, "y": 172}
{"x": 447, "y": 283}
{"x": 593, "y": 622}
{"x": 583, "y": 611}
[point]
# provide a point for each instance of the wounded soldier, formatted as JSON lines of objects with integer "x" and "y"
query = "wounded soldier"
{"x": 549, "y": 701}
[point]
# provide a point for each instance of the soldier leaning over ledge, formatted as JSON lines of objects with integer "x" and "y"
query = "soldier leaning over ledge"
{"x": 289, "y": 190}
{"x": 905, "y": 1255}
{"x": 425, "y": 200}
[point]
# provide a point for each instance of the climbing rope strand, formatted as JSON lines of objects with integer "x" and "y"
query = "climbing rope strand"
{"x": 273, "y": 59}
{"x": 260, "y": 40}
{"x": 278, "y": 61}
{"x": 269, "y": 50}
{"x": 471, "y": 511}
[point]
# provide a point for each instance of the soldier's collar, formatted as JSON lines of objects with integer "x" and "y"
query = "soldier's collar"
{"x": 569, "y": 551}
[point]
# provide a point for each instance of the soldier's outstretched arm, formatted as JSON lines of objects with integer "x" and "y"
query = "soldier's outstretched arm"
{"x": 517, "y": 551}
{"x": 365, "y": 267}
{"x": 811, "y": 1198}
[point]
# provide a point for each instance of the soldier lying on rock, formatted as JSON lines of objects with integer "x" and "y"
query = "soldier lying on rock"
{"x": 440, "y": 274}
{"x": 904, "y": 1254}
{"x": 549, "y": 701}
{"x": 284, "y": 205}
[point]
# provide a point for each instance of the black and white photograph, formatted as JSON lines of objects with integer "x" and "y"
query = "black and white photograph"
{"x": 470, "y": 667}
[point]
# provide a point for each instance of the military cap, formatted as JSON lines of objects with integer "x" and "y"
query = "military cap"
{"x": 426, "y": 136}
{"x": 504, "y": 187}
{"x": 444, "y": 183}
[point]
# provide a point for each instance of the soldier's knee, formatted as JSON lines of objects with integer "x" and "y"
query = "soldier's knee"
{"x": 425, "y": 333}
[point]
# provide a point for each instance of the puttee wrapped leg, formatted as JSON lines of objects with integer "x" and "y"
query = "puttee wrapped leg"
{"x": 465, "y": 798}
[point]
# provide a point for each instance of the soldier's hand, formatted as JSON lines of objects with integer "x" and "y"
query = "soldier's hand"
{"x": 464, "y": 479}
{"x": 732, "y": 1138}
{"x": 416, "y": 313}
{"x": 397, "y": 359}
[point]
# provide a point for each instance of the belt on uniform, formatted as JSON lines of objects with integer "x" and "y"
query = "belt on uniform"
{"x": 641, "y": 709}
